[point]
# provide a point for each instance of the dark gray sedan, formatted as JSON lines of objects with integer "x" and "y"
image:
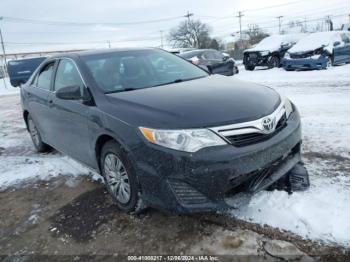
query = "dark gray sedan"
{"x": 163, "y": 132}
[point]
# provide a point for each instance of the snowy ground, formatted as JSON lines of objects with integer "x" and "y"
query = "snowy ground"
{"x": 321, "y": 213}
{"x": 6, "y": 88}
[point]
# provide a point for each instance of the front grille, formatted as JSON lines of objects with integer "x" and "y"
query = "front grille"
{"x": 299, "y": 56}
{"x": 186, "y": 194}
{"x": 253, "y": 138}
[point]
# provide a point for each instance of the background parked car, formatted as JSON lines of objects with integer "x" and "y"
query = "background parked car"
{"x": 215, "y": 61}
{"x": 319, "y": 51}
{"x": 181, "y": 50}
{"x": 269, "y": 51}
{"x": 20, "y": 70}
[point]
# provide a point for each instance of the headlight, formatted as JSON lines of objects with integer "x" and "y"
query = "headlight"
{"x": 288, "y": 106}
{"x": 264, "y": 53}
{"x": 287, "y": 55}
{"x": 188, "y": 140}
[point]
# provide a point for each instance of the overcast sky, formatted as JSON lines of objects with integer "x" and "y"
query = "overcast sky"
{"x": 219, "y": 14}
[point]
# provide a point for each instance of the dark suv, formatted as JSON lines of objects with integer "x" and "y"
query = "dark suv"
{"x": 212, "y": 60}
{"x": 161, "y": 131}
{"x": 269, "y": 52}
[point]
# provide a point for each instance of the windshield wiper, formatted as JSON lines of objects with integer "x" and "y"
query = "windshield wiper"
{"x": 179, "y": 80}
{"x": 122, "y": 90}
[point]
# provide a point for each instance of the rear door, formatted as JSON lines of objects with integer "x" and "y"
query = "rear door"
{"x": 70, "y": 117}
{"x": 341, "y": 52}
{"x": 37, "y": 95}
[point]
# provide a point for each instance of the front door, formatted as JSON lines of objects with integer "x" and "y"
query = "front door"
{"x": 71, "y": 116}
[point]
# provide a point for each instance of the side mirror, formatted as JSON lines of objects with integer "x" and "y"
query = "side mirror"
{"x": 336, "y": 43}
{"x": 69, "y": 93}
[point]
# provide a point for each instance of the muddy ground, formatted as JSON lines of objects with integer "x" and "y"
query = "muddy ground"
{"x": 74, "y": 216}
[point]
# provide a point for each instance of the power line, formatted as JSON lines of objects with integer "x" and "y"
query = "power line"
{"x": 272, "y": 27}
{"x": 82, "y": 42}
{"x": 66, "y": 23}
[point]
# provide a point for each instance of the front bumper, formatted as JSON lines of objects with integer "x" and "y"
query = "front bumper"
{"x": 305, "y": 63}
{"x": 184, "y": 182}
{"x": 255, "y": 59}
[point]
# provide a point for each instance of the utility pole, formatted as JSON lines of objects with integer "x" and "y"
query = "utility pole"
{"x": 188, "y": 15}
{"x": 161, "y": 39}
{"x": 240, "y": 27}
{"x": 279, "y": 23}
{"x": 330, "y": 23}
{"x": 4, "y": 68}
{"x": 3, "y": 46}
{"x": 109, "y": 44}
{"x": 305, "y": 25}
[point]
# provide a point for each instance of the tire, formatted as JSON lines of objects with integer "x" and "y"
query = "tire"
{"x": 120, "y": 177}
{"x": 329, "y": 62}
{"x": 249, "y": 67}
{"x": 35, "y": 135}
{"x": 274, "y": 62}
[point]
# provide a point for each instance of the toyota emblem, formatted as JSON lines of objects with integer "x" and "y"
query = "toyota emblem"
{"x": 268, "y": 124}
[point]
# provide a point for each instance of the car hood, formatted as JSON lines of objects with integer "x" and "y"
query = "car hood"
{"x": 210, "y": 101}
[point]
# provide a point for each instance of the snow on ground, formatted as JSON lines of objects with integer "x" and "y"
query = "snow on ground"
{"x": 6, "y": 88}
{"x": 19, "y": 163}
{"x": 322, "y": 213}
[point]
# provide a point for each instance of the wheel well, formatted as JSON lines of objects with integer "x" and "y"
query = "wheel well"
{"x": 103, "y": 139}
{"x": 25, "y": 117}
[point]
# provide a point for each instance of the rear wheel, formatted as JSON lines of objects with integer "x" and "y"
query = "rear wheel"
{"x": 249, "y": 67}
{"x": 120, "y": 177}
{"x": 274, "y": 62}
{"x": 39, "y": 145}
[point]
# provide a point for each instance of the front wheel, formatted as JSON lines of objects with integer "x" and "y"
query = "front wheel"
{"x": 329, "y": 62}
{"x": 120, "y": 177}
{"x": 274, "y": 62}
{"x": 249, "y": 67}
{"x": 39, "y": 145}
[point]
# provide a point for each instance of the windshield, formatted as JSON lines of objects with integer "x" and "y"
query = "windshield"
{"x": 129, "y": 70}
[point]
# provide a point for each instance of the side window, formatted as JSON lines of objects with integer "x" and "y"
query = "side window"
{"x": 67, "y": 75}
{"x": 218, "y": 55}
{"x": 44, "y": 77}
{"x": 345, "y": 38}
{"x": 208, "y": 55}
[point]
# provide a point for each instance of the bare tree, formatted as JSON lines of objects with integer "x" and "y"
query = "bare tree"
{"x": 190, "y": 34}
{"x": 255, "y": 34}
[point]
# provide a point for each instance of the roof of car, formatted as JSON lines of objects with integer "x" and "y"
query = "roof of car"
{"x": 100, "y": 51}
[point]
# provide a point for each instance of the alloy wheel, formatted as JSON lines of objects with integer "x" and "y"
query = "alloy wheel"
{"x": 117, "y": 178}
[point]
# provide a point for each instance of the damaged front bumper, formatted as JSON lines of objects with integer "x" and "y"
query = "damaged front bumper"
{"x": 202, "y": 181}
{"x": 305, "y": 63}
